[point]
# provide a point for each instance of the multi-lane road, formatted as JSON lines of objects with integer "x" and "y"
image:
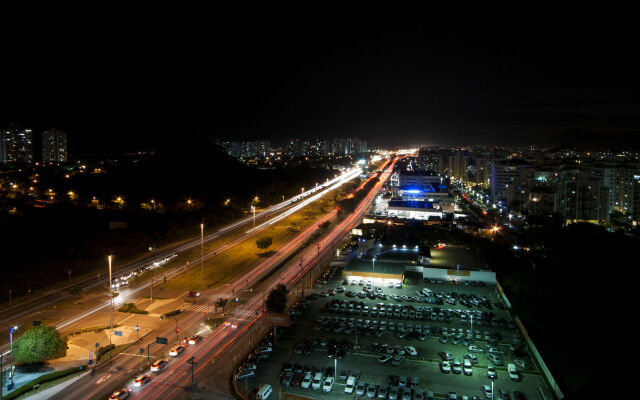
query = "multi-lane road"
{"x": 263, "y": 219}
{"x": 175, "y": 380}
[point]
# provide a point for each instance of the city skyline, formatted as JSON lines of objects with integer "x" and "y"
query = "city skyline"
{"x": 391, "y": 77}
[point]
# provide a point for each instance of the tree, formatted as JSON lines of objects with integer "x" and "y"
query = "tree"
{"x": 264, "y": 242}
{"x": 38, "y": 344}
{"x": 222, "y": 303}
{"x": 277, "y": 300}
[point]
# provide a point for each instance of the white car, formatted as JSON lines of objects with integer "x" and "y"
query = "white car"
{"x": 398, "y": 285}
{"x": 491, "y": 372}
{"x": 306, "y": 382}
{"x": 467, "y": 367}
{"x": 445, "y": 367}
{"x": 159, "y": 365}
{"x": 513, "y": 372}
{"x": 176, "y": 351}
{"x": 495, "y": 350}
{"x": 475, "y": 349}
{"x": 410, "y": 350}
{"x": 456, "y": 366}
{"x": 328, "y": 384}
{"x": 317, "y": 381}
{"x": 351, "y": 383}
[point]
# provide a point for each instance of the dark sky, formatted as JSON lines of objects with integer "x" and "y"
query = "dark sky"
{"x": 124, "y": 79}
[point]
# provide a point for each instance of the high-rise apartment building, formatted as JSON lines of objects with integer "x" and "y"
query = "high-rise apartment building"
{"x": 54, "y": 146}
{"x": 16, "y": 145}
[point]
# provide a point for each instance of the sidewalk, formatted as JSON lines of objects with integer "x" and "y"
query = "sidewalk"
{"x": 48, "y": 393}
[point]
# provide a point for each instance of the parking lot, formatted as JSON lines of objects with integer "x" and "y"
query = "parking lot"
{"x": 395, "y": 341}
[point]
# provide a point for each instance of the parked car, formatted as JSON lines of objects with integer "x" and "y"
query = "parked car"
{"x": 360, "y": 388}
{"x": 410, "y": 350}
{"x": 491, "y": 372}
{"x": 467, "y": 367}
{"x": 471, "y": 357}
{"x": 371, "y": 390}
{"x": 328, "y": 384}
{"x": 446, "y": 355}
{"x": 445, "y": 367}
{"x": 317, "y": 381}
{"x": 397, "y": 360}
{"x": 393, "y": 393}
{"x": 382, "y": 392}
{"x": 475, "y": 349}
{"x": 513, "y": 372}
{"x": 522, "y": 364}
{"x": 402, "y": 382}
{"x": 456, "y": 366}
{"x": 351, "y": 383}
{"x": 286, "y": 378}
{"x": 306, "y": 382}
{"x": 496, "y": 359}
{"x": 384, "y": 358}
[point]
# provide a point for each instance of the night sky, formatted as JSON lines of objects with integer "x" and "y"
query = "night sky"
{"x": 122, "y": 80}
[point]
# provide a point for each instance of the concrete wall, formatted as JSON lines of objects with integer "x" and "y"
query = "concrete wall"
{"x": 461, "y": 275}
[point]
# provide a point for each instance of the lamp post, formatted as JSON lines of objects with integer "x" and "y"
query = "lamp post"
{"x": 253, "y": 210}
{"x": 202, "y": 251}
{"x": 110, "y": 294}
{"x": 373, "y": 271}
{"x": 11, "y": 330}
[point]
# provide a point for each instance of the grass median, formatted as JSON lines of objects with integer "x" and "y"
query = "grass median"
{"x": 244, "y": 255}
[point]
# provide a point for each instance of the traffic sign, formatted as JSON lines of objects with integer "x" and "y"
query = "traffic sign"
{"x": 117, "y": 333}
{"x": 37, "y": 323}
{"x": 161, "y": 340}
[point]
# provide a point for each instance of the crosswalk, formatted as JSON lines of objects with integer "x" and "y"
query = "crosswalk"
{"x": 198, "y": 307}
{"x": 208, "y": 308}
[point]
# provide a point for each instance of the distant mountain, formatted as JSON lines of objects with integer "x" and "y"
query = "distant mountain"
{"x": 584, "y": 140}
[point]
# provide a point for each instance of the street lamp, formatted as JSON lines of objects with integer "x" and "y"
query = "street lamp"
{"x": 202, "y": 251}
{"x": 373, "y": 271}
{"x": 110, "y": 294}
{"x": 11, "y": 330}
{"x": 253, "y": 209}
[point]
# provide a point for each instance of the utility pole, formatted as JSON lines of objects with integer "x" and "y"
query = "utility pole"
{"x": 193, "y": 383}
{"x": 110, "y": 295}
{"x": 202, "y": 251}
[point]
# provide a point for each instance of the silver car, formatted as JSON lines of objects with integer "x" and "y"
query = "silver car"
{"x": 371, "y": 390}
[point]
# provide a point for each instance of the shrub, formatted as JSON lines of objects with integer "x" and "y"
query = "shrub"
{"x": 172, "y": 313}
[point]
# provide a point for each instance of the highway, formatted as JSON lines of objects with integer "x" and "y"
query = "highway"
{"x": 176, "y": 377}
{"x": 264, "y": 219}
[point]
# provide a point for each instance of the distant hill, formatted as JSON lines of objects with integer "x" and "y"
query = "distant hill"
{"x": 584, "y": 140}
